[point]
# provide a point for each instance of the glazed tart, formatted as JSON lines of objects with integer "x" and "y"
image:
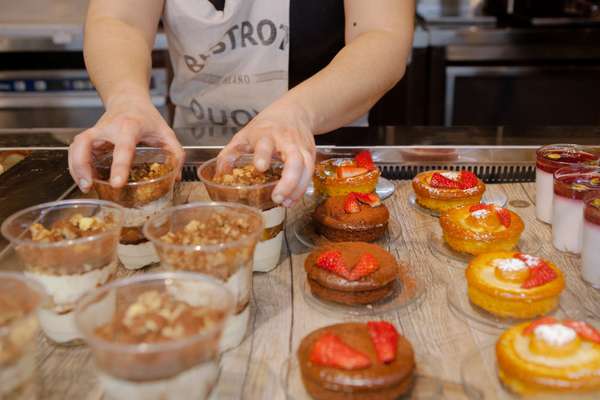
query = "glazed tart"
{"x": 481, "y": 228}
{"x": 443, "y": 190}
{"x": 354, "y": 217}
{"x": 340, "y": 176}
{"x": 550, "y": 356}
{"x": 358, "y": 361}
{"x": 351, "y": 273}
{"x": 514, "y": 285}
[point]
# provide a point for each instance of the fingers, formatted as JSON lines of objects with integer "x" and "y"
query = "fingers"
{"x": 171, "y": 144}
{"x": 307, "y": 173}
{"x": 80, "y": 160}
{"x": 230, "y": 153}
{"x": 292, "y": 172}
{"x": 123, "y": 155}
{"x": 263, "y": 152}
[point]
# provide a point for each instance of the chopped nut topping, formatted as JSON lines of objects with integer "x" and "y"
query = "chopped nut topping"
{"x": 147, "y": 172}
{"x": 248, "y": 175}
{"x": 77, "y": 226}
{"x": 157, "y": 317}
{"x": 219, "y": 228}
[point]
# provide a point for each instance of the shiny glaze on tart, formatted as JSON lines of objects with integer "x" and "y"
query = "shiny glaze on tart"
{"x": 550, "y": 356}
{"x": 443, "y": 190}
{"x": 481, "y": 228}
{"x": 514, "y": 285}
{"x": 341, "y": 176}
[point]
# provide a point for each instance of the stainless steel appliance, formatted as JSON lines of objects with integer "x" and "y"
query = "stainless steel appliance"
{"x": 59, "y": 98}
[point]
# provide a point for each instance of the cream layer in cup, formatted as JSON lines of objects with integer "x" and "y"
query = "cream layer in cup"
{"x": 70, "y": 248}
{"x": 241, "y": 183}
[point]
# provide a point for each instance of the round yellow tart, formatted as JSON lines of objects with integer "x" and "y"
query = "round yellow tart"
{"x": 549, "y": 356}
{"x": 443, "y": 190}
{"x": 514, "y": 285}
{"x": 341, "y": 176}
{"x": 481, "y": 228}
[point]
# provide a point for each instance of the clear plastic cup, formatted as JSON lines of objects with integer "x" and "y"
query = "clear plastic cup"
{"x": 20, "y": 299}
{"x": 230, "y": 262}
{"x": 181, "y": 368}
{"x": 590, "y": 253}
{"x": 268, "y": 250}
{"x": 67, "y": 269}
{"x": 571, "y": 185}
{"x": 549, "y": 159}
{"x": 140, "y": 200}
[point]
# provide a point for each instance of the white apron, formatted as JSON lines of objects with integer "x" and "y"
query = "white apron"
{"x": 229, "y": 65}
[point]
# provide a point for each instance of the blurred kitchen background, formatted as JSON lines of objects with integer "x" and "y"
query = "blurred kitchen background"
{"x": 474, "y": 62}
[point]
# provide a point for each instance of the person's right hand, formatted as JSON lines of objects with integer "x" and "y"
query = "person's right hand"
{"x": 126, "y": 122}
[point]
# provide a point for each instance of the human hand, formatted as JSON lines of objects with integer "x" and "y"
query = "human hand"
{"x": 127, "y": 121}
{"x": 284, "y": 132}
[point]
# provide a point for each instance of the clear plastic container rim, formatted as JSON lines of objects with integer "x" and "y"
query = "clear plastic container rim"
{"x": 257, "y": 186}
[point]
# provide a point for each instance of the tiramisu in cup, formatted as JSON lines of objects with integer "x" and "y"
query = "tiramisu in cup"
{"x": 70, "y": 248}
{"x": 149, "y": 189}
{"x": 20, "y": 298}
{"x": 242, "y": 183}
{"x": 571, "y": 185}
{"x": 216, "y": 239}
{"x": 549, "y": 159}
{"x": 590, "y": 253}
{"x": 156, "y": 336}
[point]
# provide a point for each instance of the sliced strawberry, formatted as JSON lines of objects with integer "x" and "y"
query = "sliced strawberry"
{"x": 440, "y": 181}
{"x": 366, "y": 265}
{"x": 539, "y": 275}
{"x": 330, "y": 351}
{"x": 467, "y": 180}
{"x": 364, "y": 160}
{"x": 584, "y": 330}
{"x": 539, "y": 322}
{"x": 351, "y": 205}
{"x": 370, "y": 199}
{"x": 504, "y": 216}
{"x": 347, "y": 171}
{"x": 332, "y": 261}
{"x": 478, "y": 207}
{"x": 385, "y": 339}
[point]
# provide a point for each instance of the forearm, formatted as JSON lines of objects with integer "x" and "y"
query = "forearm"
{"x": 117, "y": 52}
{"x": 360, "y": 74}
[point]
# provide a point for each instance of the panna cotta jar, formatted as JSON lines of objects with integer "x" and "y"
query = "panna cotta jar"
{"x": 549, "y": 159}
{"x": 590, "y": 253}
{"x": 571, "y": 185}
{"x": 70, "y": 248}
{"x": 268, "y": 249}
{"x": 20, "y": 299}
{"x": 149, "y": 190}
{"x": 156, "y": 336}
{"x": 215, "y": 239}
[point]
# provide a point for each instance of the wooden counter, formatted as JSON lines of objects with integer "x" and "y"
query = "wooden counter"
{"x": 281, "y": 317}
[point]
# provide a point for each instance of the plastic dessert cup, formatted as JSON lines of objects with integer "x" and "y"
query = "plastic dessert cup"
{"x": 140, "y": 200}
{"x": 228, "y": 261}
{"x": 20, "y": 298}
{"x": 590, "y": 254}
{"x": 268, "y": 249}
{"x": 177, "y": 369}
{"x": 549, "y": 159}
{"x": 70, "y": 268}
{"x": 571, "y": 185}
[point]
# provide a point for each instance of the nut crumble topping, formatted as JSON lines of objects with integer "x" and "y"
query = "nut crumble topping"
{"x": 147, "y": 172}
{"x": 75, "y": 227}
{"x": 157, "y": 317}
{"x": 219, "y": 228}
{"x": 248, "y": 175}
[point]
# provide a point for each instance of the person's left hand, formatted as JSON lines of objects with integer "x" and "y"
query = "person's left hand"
{"x": 280, "y": 131}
